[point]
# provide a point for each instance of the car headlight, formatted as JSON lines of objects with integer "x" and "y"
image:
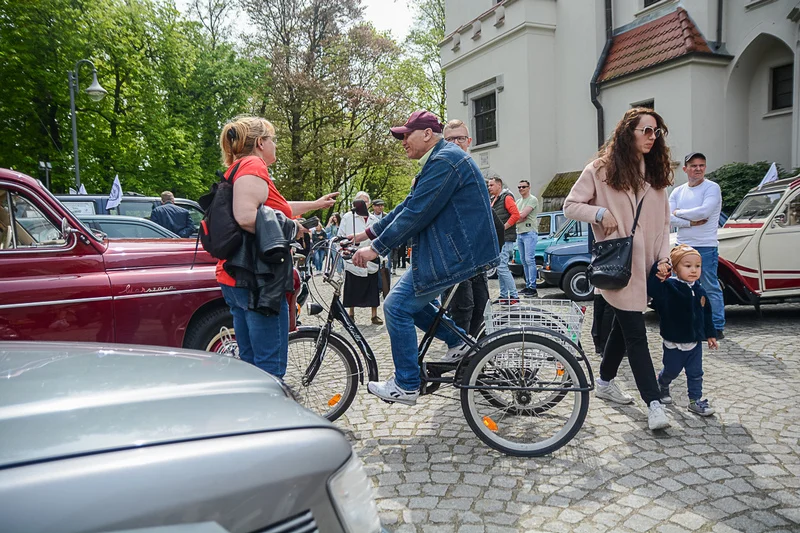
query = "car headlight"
{"x": 351, "y": 492}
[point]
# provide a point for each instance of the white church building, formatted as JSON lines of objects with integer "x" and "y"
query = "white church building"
{"x": 542, "y": 82}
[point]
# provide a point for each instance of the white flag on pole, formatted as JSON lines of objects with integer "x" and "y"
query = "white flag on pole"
{"x": 772, "y": 175}
{"x": 72, "y": 191}
{"x": 115, "y": 197}
{"x": 82, "y": 190}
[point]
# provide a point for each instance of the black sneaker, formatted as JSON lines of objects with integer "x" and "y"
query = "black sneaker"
{"x": 720, "y": 334}
{"x": 527, "y": 291}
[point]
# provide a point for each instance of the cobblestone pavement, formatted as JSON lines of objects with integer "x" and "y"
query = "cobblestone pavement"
{"x": 738, "y": 470}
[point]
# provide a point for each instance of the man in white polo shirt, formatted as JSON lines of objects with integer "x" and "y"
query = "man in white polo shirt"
{"x": 695, "y": 208}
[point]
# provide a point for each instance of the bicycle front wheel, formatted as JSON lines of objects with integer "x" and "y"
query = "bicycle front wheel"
{"x": 524, "y": 395}
{"x": 334, "y": 387}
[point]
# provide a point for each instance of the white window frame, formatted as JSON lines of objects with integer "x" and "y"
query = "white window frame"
{"x": 476, "y": 92}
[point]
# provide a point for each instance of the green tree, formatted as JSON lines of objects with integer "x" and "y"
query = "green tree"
{"x": 426, "y": 87}
{"x": 329, "y": 100}
{"x": 171, "y": 85}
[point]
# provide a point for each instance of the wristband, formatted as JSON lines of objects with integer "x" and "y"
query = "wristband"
{"x": 599, "y": 216}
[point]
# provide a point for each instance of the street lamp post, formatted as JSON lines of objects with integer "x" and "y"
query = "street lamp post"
{"x": 95, "y": 92}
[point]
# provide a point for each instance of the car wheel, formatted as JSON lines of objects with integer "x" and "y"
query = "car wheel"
{"x": 207, "y": 332}
{"x": 576, "y": 285}
{"x": 540, "y": 282}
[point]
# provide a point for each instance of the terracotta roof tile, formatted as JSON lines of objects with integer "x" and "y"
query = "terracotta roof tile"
{"x": 650, "y": 44}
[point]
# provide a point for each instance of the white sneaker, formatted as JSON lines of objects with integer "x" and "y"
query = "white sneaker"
{"x": 455, "y": 354}
{"x": 390, "y": 392}
{"x": 613, "y": 393}
{"x": 657, "y": 417}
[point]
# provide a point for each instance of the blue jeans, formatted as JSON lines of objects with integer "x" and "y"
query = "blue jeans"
{"x": 692, "y": 361}
{"x": 526, "y": 242}
{"x": 318, "y": 258}
{"x": 263, "y": 340}
{"x": 710, "y": 282}
{"x": 402, "y": 311}
{"x": 508, "y": 289}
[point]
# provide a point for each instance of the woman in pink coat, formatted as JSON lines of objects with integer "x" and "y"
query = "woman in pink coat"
{"x": 632, "y": 166}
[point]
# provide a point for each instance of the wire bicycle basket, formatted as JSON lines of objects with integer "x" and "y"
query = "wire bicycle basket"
{"x": 562, "y": 316}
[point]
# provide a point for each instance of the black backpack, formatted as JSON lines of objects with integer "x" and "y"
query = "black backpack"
{"x": 219, "y": 233}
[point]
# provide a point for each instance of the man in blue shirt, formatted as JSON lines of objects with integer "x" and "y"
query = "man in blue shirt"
{"x": 170, "y": 216}
{"x": 447, "y": 216}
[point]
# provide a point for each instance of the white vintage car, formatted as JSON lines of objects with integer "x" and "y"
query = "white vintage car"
{"x": 759, "y": 246}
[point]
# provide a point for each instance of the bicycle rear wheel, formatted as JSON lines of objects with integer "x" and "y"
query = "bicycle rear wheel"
{"x": 335, "y": 385}
{"x": 528, "y": 404}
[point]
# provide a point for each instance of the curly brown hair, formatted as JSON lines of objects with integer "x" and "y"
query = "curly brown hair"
{"x": 620, "y": 157}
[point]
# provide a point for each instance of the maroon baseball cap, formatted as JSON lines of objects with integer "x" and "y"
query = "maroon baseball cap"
{"x": 419, "y": 120}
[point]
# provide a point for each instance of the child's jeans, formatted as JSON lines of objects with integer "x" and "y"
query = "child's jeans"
{"x": 692, "y": 361}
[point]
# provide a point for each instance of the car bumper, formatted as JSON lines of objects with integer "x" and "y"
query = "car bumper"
{"x": 553, "y": 278}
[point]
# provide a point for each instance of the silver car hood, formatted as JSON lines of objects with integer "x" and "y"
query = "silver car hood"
{"x": 65, "y": 399}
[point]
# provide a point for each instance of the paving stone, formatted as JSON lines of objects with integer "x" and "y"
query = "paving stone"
{"x": 689, "y": 520}
{"x": 736, "y": 471}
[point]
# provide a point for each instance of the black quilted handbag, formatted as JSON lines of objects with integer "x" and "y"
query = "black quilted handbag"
{"x": 610, "y": 267}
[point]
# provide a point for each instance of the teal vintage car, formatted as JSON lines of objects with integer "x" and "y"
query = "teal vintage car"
{"x": 563, "y": 231}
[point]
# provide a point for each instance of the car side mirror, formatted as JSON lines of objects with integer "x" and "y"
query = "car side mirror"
{"x": 66, "y": 228}
{"x": 780, "y": 218}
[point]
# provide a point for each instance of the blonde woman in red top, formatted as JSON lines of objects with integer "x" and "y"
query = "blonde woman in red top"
{"x": 250, "y": 141}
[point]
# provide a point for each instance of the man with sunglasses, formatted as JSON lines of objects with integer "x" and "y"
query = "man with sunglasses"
{"x": 695, "y": 208}
{"x": 469, "y": 301}
{"x": 527, "y": 235}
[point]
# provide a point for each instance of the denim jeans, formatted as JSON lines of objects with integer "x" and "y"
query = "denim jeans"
{"x": 508, "y": 289}
{"x": 526, "y": 242}
{"x": 263, "y": 340}
{"x": 402, "y": 311}
{"x": 318, "y": 258}
{"x": 710, "y": 282}
{"x": 692, "y": 361}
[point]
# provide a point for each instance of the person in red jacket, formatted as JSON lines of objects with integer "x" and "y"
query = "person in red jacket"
{"x": 505, "y": 207}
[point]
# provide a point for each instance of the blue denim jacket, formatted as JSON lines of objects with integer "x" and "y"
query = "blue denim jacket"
{"x": 448, "y": 218}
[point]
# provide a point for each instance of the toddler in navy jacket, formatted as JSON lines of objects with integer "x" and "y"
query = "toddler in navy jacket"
{"x": 685, "y": 314}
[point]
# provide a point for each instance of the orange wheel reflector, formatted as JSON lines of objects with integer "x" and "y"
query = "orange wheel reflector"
{"x": 559, "y": 369}
{"x": 334, "y": 400}
{"x": 489, "y": 423}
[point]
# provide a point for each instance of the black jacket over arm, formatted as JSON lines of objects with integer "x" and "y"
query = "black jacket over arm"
{"x": 263, "y": 263}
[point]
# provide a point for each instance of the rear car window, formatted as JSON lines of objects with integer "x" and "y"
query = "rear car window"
{"x": 80, "y": 208}
{"x": 136, "y": 208}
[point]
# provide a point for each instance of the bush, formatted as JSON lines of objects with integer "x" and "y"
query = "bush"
{"x": 736, "y": 179}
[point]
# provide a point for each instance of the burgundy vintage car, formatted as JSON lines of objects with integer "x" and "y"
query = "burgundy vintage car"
{"x": 60, "y": 281}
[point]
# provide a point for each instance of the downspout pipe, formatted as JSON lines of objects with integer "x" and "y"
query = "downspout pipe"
{"x": 594, "y": 89}
{"x": 719, "y": 25}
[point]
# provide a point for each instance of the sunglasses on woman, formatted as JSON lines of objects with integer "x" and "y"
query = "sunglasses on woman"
{"x": 647, "y": 131}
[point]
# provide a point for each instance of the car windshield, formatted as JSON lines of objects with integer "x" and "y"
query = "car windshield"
{"x": 562, "y": 229}
{"x": 756, "y": 207}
